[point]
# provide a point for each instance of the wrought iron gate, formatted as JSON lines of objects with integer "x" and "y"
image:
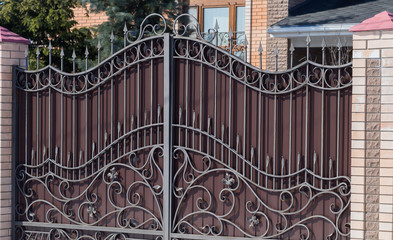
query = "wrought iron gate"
{"x": 173, "y": 138}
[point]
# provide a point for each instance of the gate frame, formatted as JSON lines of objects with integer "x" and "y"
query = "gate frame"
{"x": 168, "y": 141}
{"x": 168, "y": 115}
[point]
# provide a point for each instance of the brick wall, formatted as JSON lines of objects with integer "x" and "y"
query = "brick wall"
{"x": 260, "y": 14}
{"x": 256, "y": 27}
{"x": 278, "y": 9}
{"x": 10, "y": 54}
{"x": 372, "y": 136}
{"x": 85, "y": 18}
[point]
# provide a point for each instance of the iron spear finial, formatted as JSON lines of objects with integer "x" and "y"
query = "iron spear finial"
{"x": 276, "y": 52}
{"x": 260, "y": 48}
{"x": 86, "y": 52}
{"x": 62, "y": 53}
{"x": 216, "y": 27}
{"x": 73, "y": 55}
{"x": 308, "y": 40}
{"x": 112, "y": 36}
{"x": 99, "y": 44}
{"x": 339, "y": 44}
{"x": 292, "y": 48}
{"x": 125, "y": 28}
{"x": 323, "y": 45}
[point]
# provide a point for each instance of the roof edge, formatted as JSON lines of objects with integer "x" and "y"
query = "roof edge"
{"x": 6, "y": 36}
{"x": 311, "y": 30}
{"x": 380, "y": 21}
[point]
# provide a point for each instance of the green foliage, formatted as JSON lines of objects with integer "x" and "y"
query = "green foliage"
{"x": 131, "y": 12}
{"x": 44, "y": 20}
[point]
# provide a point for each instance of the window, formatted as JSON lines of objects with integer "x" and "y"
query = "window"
{"x": 240, "y": 19}
{"x": 229, "y": 17}
{"x": 213, "y": 15}
{"x": 193, "y": 11}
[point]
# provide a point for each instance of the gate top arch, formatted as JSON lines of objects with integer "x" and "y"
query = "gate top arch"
{"x": 192, "y": 45}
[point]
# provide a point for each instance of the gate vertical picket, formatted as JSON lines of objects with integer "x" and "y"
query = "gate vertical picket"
{"x": 168, "y": 108}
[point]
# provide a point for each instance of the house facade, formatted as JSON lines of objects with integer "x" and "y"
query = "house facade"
{"x": 250, "y": 18}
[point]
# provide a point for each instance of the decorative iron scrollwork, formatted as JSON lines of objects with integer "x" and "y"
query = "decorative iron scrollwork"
{"x": 220, "y": 207}
{"x": 121, "y": 197}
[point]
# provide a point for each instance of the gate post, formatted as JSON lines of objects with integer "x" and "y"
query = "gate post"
{"x": 168, "y": 108}
{"x": 12, "y": 52}
{"x": 372, "y": 129}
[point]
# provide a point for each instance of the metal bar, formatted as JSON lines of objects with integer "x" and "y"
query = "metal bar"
{"x": 151, "y": 95}
{"x": 193, "y": 126}
{"x": 204, "y": 237}
{"x": 125, "y": 90}
{"x": 215, "y": 103}
{"x": 259, "y": 130}
{"x": 37, "y": 128}
{"x": 322, "y": 114}
{"x": 144, "y": 131}
{"x": 292, "y": 49}
{"x": 38, "y": 57}
{"x": 275, "y": 118}
{"x": 230, "y": 115}
{"x": 92, "y": 228}
{"x": 49, "y": 121}
{"x": 98, "y": 107}
{"x": 49, "y": 106}
{"x": 15, "y": 159}
{"x": 186, "y": 107}
{"x": 338, "y": 111}
{"x": 86, "y": 116}
{"x": 306, "y": 123}
{"x": 137, "y": 102}
{"x": 158, "y": 120}
{"x": 222, "y": 139}
{"x": 26, "y": 120}
{"x": 260, "y": 49}
{"x": 62, "y": 114}
{"x": 200, "y": 101}
{"x": 112, "y": 117}
{"x": 237, "y": 151}
{"x": 244, "y": 117}
{"x": 168, "y": 100}
{"x": 73, "y": 119}
{"x": 179, "y": 133}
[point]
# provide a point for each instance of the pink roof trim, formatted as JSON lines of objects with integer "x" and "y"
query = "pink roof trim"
{"x": 8, "y": 36}
{"x": 381, "y": 21}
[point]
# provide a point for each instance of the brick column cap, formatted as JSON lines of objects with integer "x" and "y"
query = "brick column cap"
{"x": 11, "y": 37}
{"x": 381, "y": 21}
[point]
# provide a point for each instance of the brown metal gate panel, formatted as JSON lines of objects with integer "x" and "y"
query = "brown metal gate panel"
{"x": 91, "y": 145}
{"x": 174, "y": 138}
{"x": 257, "y": 153}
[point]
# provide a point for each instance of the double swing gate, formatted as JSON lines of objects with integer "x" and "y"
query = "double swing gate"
{"x": 174, "y": 138}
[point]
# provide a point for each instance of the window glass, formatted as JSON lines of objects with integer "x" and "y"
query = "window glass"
{"x": 240, "y": 19}
{"x": 240, "y": 32}
{"x": 193, "y": 11}
{"x": 210, "y": 15}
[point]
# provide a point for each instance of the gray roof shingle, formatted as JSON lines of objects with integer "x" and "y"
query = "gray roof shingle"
{"x": 318, "y": 12}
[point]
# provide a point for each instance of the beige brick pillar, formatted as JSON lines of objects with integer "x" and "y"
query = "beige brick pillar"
{"x": 372, "y": 129}
{"x": 278, "y": 10}
{"x": 12, "y": 52}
